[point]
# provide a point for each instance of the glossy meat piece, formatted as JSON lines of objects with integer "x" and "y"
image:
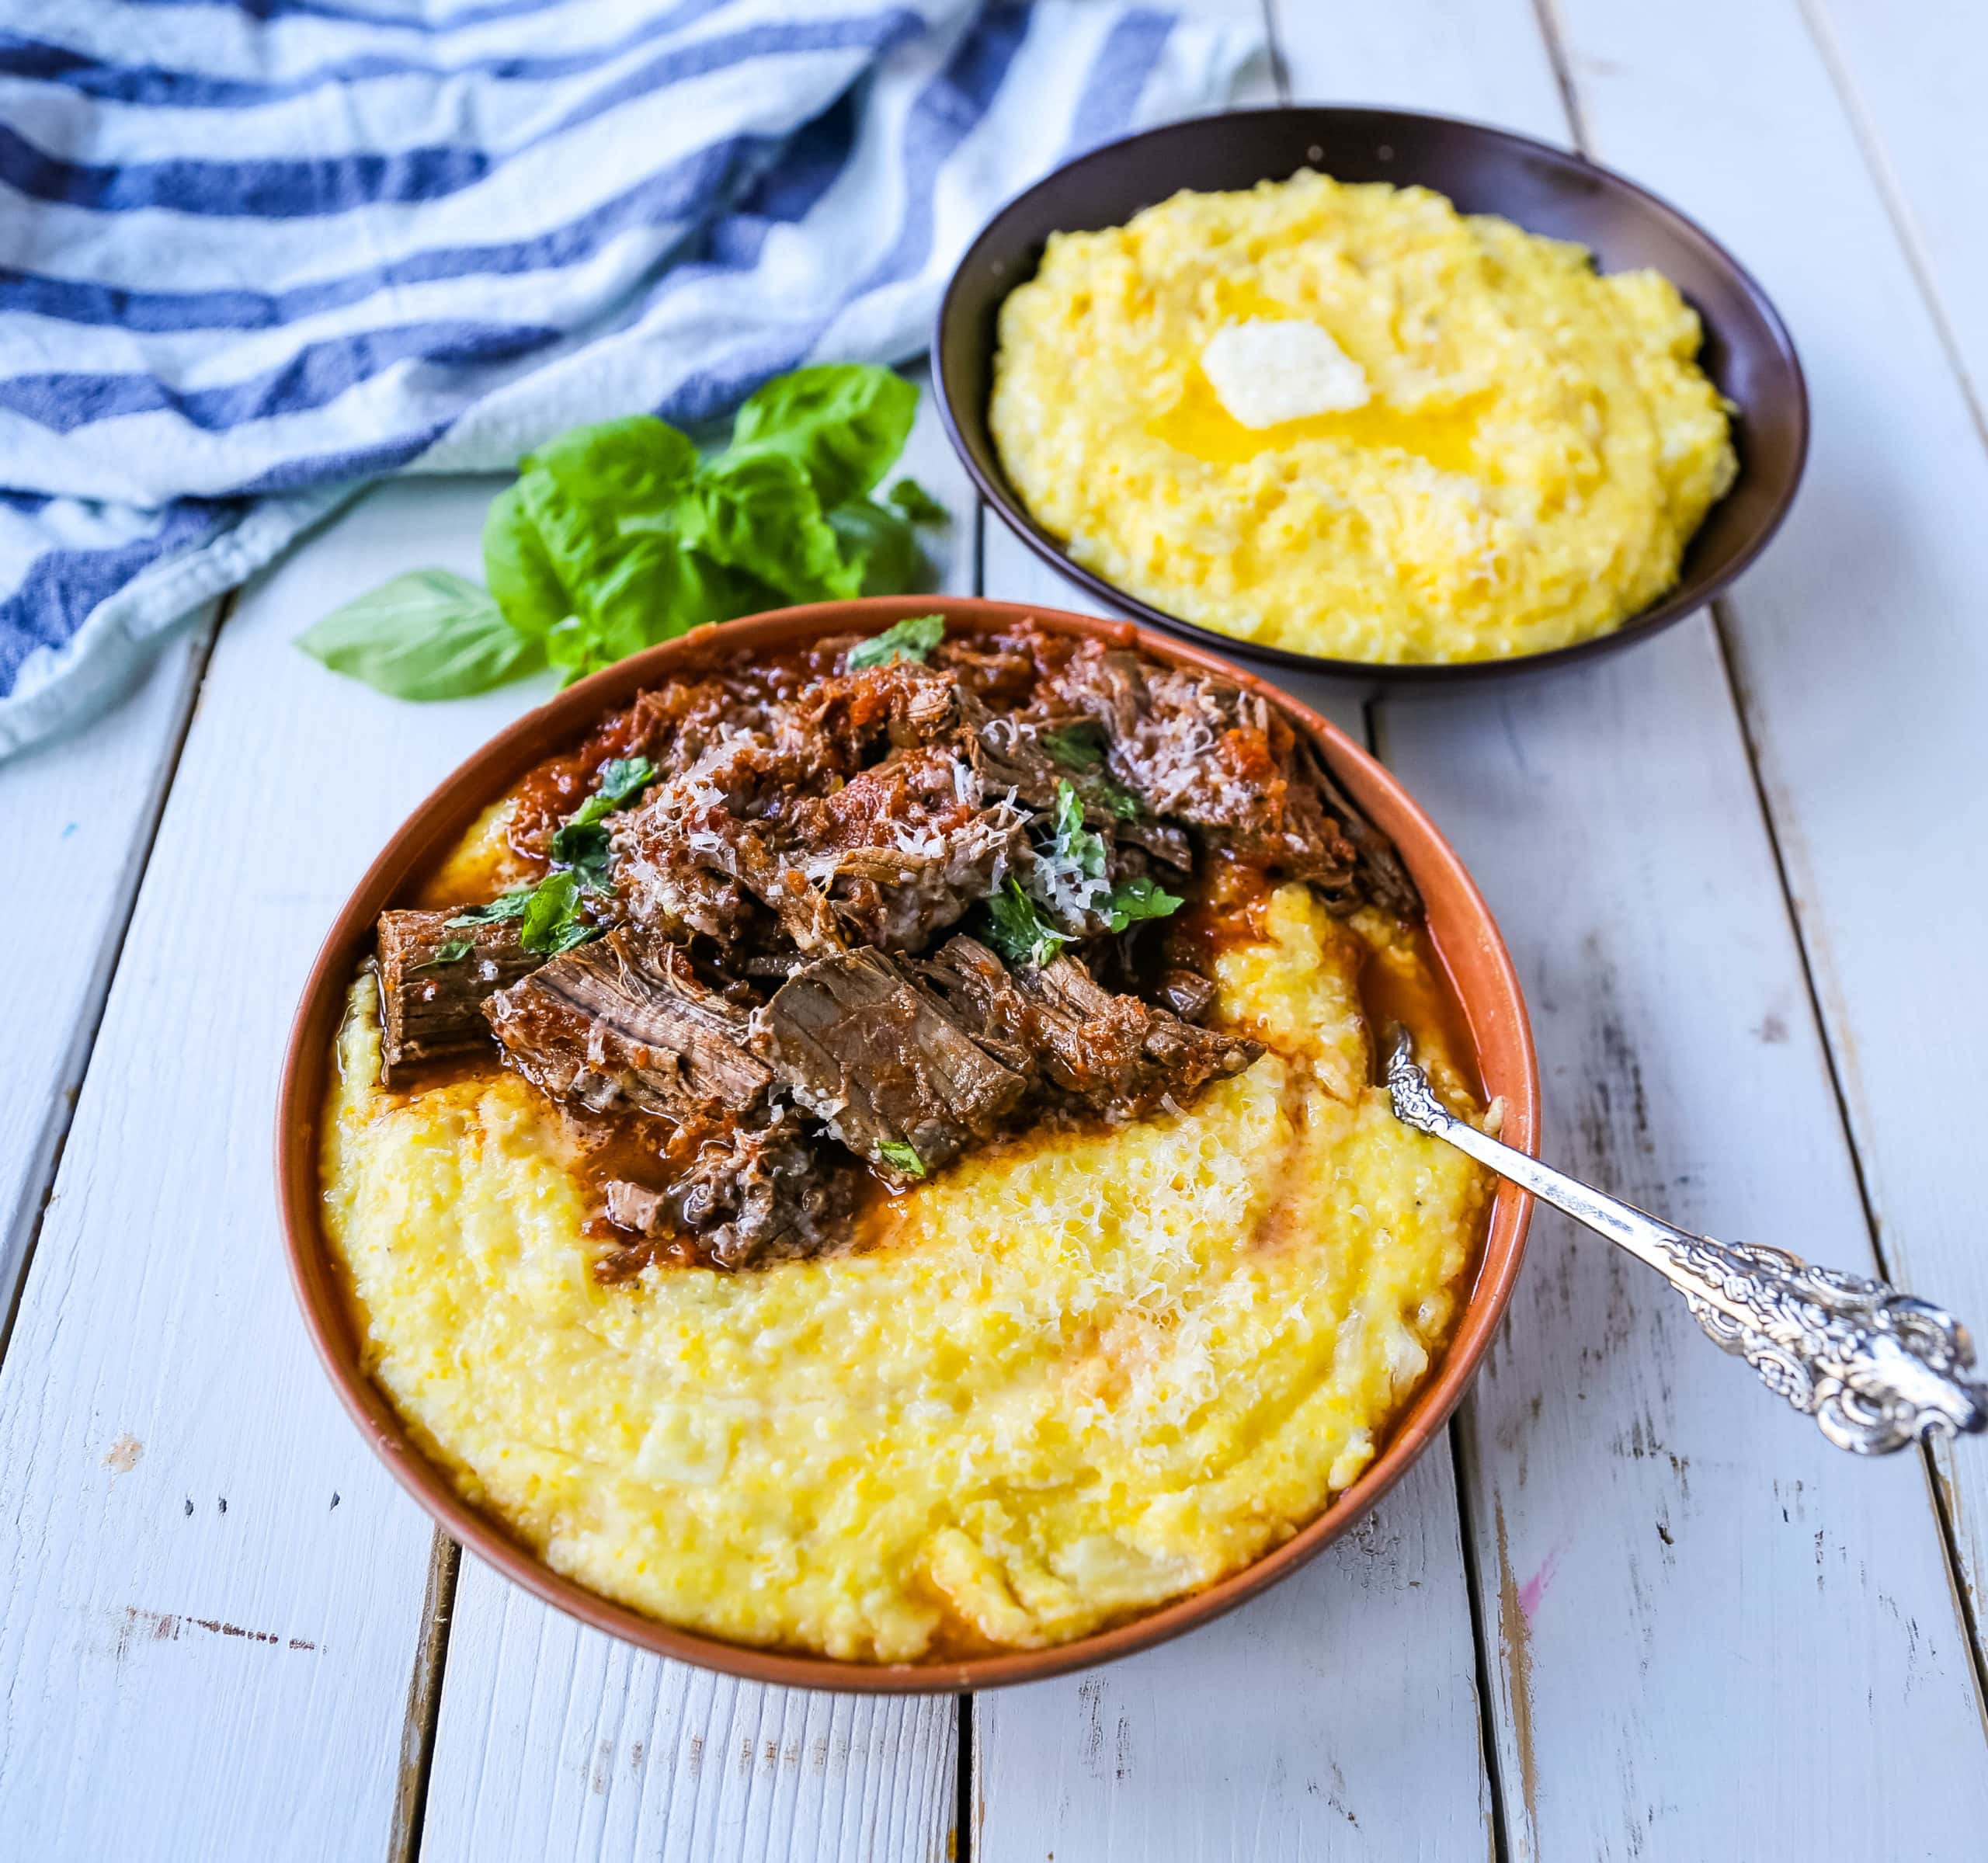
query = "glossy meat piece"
{"x": 612, "y": 1022}
{"x": 881, "y": 1061}
{"x": 751, "y": 1192}
{"x": 1201, "y": 749}
{"x": 431, "y": 1002}
{"x": 1121, "y": 1056}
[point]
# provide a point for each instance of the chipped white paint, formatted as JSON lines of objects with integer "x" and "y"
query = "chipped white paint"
{"x": 1337, "y": 1715}
{"x": 1860, "y": 642}
{"x": 556, "y": 1741}
{"x": 534, "y": 1709}
{"x": 75, "y": 817}
{"x": 1701, "y": 1624}
{"x": 1273, "y": 1731}
{"x": 203, "y": 1652}
{"x": 1703, "y": 1620}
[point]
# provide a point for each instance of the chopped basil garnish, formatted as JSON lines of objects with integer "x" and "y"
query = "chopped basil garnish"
{"x": 453, "y": 951}
{"x": 902, "y": 1157}
{"x": 1140, "y": 899}
{"x": 581, "y": 841}
{"x": 1017, "y": 930}
{"x": 505, "y": 905}
{"x": 550, "y": 910}
{"x": 911, "y": 640}
{"x": 1074, "y": 748}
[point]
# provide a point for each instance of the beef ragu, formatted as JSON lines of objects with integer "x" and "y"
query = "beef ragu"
{"x": 855, "y": 910}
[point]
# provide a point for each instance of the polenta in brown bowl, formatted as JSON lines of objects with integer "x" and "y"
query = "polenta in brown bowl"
{"x": 1380, "y": 394}
{"x": 845, "y": 1149}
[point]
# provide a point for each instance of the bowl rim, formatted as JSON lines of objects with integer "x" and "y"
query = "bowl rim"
{"x": 438, "y": 820}
{"x": 1668, "y": 609}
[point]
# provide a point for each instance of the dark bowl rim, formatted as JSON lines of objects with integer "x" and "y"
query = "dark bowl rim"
{"x": 439, "y": 819}
{"x": 1662, "y": 614}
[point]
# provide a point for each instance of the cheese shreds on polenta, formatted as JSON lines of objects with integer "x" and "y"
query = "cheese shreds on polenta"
{"x": 1076, "y": 1374}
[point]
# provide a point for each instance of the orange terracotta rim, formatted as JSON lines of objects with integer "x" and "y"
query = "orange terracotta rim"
{"x": 1460, "y": 926}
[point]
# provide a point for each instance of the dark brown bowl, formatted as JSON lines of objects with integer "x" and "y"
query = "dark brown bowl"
{"x": 1460, "y": 925}
{"x": 1747, "y": 351}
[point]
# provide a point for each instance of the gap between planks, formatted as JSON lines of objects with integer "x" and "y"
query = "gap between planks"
{"x": 424, "y": 1700}
{"x": 1553, "y": 31}
{"x": 1936, "y": 1487}
{"x": 25, "y": 1234}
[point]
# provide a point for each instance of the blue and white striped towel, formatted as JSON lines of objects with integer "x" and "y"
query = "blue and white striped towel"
{"x": 254, "y": 255}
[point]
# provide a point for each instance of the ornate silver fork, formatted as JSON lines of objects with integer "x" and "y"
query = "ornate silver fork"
{"x": 1876, "y": 1369}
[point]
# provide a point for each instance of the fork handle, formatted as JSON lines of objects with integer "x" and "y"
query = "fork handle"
{"x": 1876, "y": 1369}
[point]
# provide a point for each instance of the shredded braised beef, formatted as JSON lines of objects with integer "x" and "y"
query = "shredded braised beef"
{"x": 843, "y": 923}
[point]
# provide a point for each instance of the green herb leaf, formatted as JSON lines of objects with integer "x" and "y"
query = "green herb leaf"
{"x": 902, "y": 1156}
{"x": 878, "y": 546}
{"x": 428, "y": 634}
{"x": 552, "y": 921}
{"x": 453, "y": 951}
{"x": 521, "y": 579}
{"x": 505, "y": 905}
{"x": 917, "y": 504}
{"x": 757, "y": 513}
{"x": 622, "y": 779}
{"x": 581, "y": 841}
{"x": 1140, "y": 899}
{"x": 844, "y": 424}
{"x": 1017, "y": 930}
{"x": 1122, "y": 803}
{"x": 910, "y": 640}
{"x": 1074, "y": 747}
{"x": 1075, "y": 843}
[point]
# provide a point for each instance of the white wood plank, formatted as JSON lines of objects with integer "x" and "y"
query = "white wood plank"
{"x": 1706, "y": 1623}
{"x": 1707, "y": 1619}
{"x": 78, "y": 815}
{"x": 1859, "y": 640}
{"x": 1913, "y": 78}
{"x": 216, "y": 1592}
{"x": 557, "y": 1741}
{"x": 1335, "y": 1716}
{"x": 1273, "y": 1732}
{"x": 531, "y": 1703}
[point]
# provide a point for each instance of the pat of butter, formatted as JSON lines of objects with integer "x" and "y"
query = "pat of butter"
{"x": 1274, "y": 369}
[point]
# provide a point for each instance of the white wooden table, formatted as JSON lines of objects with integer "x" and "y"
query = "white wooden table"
{"x": 1632, "y": 1609}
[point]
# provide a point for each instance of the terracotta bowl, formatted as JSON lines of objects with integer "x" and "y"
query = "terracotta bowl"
{"x": 1460, "y": 925}
{"x": 1747, "y": 350}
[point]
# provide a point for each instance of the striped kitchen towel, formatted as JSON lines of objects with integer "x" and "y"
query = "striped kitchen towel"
{"x": 254, "y": 255}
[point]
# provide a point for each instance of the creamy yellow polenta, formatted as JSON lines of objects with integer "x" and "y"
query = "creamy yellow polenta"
{"x": 1072, "y": 1377}
{"x": 1509, "y": 451}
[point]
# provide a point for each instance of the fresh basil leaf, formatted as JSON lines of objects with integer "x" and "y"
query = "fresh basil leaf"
{"x": 601, "y": 514}
{"x": 903, "y": 1157}
{"x": 843, "y": 424}
{"x": 1074, "y": 747}
{"x": 584, "y": 847}
{"x": 552, "y": 921}
{"x": 1122, "y": 803}
{"x": 428, "y": 634}
{"x": 1140, "y": 899}
{"x": 1075, "y": 843}
{"x": 521, "y": 579}
{"x": 757, "y": 513}
{"x": 917, "y": 504}
{"x": 622, "y": 779}
{"x": 452, "y": 952}
{"x": 878, "y": 545}
{"x": 581, "y": 841}
{"x": 653, "y": 590}
{"x": 505, "y": 905}
{"x": 1017, "y": 930}
{"x": 909, "y": 640}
